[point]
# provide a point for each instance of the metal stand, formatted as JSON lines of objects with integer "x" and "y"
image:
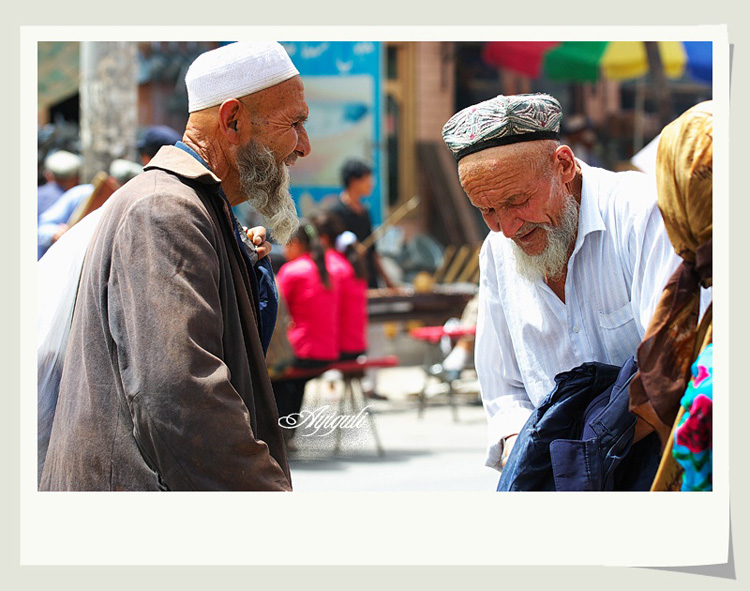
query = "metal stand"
{"x": 349, "y": 394}
{"x": 433, "y": 368}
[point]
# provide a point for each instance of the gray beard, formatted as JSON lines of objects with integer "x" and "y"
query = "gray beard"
{"x": 553, "y": 260}
{"x": 265, "y": 184}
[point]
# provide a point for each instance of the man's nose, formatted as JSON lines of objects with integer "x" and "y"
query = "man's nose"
{"x": 509, "y": 224}
{"x": 303, "y": 143}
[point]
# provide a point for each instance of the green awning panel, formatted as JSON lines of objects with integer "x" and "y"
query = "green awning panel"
{"x": 575, "y": 61}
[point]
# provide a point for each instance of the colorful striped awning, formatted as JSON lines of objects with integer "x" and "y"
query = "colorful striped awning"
{"x": 587, "y": 61}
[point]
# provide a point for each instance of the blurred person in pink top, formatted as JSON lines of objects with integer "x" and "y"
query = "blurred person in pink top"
{"x": 344, "y": 260}
{"x": 346, "y": 264}
{"x": 312, "y": 297}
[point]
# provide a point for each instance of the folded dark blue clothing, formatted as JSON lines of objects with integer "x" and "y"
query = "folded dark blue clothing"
{"x": 580, "y": 438}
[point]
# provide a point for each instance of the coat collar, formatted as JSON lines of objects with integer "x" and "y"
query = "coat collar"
{"x": 177, "y": 161}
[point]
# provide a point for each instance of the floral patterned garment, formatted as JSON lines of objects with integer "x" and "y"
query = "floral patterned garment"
{"x": 693, "y": 447}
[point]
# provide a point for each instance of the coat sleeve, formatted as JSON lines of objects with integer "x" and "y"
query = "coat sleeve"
{"x": 164, "y": 313}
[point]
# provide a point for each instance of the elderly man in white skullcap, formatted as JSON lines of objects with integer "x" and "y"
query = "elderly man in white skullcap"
{"x": 164, "y": 384}
{"x": 573, "y": 266}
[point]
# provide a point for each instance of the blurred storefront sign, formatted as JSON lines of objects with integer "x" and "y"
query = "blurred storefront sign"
{"x": 343, "y": 88}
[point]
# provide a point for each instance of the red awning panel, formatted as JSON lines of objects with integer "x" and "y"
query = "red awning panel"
{"x": 525, "y": 57}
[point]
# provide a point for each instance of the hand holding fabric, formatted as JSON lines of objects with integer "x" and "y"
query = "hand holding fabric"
{"x": 508, "y": 443}
{"x": 257, "y": 236}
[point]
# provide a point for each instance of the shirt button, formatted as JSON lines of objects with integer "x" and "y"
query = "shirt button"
{"x": 575, "y": 329}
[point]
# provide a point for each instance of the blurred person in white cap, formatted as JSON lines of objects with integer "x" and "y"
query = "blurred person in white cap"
{"x": 61, "y": 170}
{"x": 164, "y": 384}
{"x": 53, "y": 223}
{"x": 573, "y": 267}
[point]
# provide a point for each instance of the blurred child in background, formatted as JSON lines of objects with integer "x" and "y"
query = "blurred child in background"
{"x": 346, "y": 264}
{"x": 311, "y": 294}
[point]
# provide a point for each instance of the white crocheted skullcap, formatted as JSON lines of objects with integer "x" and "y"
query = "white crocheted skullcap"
{"x": 123, "y": 170}
{"x": 63, "y": 164}
{"x": 236, "y": 70}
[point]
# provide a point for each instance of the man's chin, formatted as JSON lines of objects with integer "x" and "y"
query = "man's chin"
{"x": 533, "y": 247}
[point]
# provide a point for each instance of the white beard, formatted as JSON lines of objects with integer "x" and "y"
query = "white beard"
{"x": 553, "y": 260}
{"x": 265, "y": 183}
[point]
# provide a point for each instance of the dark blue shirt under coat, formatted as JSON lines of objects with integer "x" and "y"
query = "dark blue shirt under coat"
{"x": 260, "y": 271}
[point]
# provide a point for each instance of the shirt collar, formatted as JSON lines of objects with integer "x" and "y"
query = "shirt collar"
{"x": 180, "y": 161}
{"x": 589, "y": 217}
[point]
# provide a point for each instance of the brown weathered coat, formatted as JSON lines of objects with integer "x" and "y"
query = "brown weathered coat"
{"x": 165, "y": 383}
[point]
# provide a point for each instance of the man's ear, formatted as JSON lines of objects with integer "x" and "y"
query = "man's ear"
{"x": 229, "y": 120}
{"x": 566, "y": 163}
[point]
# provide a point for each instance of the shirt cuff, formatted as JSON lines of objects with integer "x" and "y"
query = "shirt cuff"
{"x": 501, "y": 426}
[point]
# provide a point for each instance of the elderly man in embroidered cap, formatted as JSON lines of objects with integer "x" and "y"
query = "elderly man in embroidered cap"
{"x": 165, "y": 385}
{"x": 573, "y": 266}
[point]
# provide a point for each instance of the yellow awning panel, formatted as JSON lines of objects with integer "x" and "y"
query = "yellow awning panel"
{"x": 623, "y": 60}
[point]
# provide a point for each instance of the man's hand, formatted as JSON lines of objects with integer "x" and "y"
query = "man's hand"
{"x": 257, "y": 236}
{"x": 507, "y": 446}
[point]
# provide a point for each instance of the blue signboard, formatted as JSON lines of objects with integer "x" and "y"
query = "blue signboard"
{"x": 343, "y": 88}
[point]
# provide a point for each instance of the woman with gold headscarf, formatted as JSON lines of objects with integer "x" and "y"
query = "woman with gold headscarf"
{"x": 675, "y": 338}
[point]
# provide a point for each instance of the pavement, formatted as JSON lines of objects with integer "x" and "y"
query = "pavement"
{"x": 437, "y": 452}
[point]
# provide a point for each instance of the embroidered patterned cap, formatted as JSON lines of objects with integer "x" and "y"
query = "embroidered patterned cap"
{"x": 503, "y": 120}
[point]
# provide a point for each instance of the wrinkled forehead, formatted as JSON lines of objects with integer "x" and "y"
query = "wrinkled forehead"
{"x": 293, "y": 85}
{"x": 289, "y": 94}
{"x": 490, "y": 161}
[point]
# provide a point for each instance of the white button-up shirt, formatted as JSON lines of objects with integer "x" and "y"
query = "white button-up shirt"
{"x": 526, "y": 335}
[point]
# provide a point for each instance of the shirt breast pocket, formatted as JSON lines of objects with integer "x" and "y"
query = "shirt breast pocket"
{"x": 619, "y": 334}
